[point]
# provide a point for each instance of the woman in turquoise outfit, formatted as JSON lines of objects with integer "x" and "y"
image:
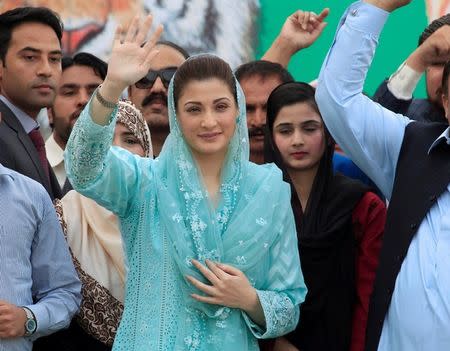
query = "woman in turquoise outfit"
{"x": 209, "y": 237}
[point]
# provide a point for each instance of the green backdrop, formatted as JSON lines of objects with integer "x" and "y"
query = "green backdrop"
{"x": 398, "y": 40}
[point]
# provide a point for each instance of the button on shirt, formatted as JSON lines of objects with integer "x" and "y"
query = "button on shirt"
{"x": 418, "y": 317}
{"x": 36, "y": 267}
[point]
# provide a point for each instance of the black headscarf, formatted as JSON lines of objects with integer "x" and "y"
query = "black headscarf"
{"x": 325, "y": 236}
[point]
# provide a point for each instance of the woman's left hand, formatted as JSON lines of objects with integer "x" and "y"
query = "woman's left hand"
{"x": 230, "y": 287}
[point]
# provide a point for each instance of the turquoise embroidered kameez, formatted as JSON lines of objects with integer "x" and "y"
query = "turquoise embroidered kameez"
{"x": 167, "y": 219}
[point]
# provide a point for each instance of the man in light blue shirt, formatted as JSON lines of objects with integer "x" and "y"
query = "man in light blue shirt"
{"x": 410, "y": 307}
{"x": 39, "y": 288}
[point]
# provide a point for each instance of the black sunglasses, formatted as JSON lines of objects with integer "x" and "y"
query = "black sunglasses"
{"x": 165, "y": 74}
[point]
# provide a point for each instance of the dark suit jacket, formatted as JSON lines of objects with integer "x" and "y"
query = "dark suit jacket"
{"x": 18, "y": 152}
{"x": 421, "y": 110}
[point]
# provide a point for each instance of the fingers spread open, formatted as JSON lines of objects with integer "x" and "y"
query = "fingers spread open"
{"x": 118, "y": 35}
{"x": 144, "y": 29}
{"x": 132, "y": 30}
{"x": 151, "y": 42}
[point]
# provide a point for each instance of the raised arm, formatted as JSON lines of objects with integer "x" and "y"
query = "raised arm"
{"x": 370, "y": 134}
{"x": 109, "y": 175}
{"x": 299, "y": 31}
{"x": 396, "y": 94}
{"x": 130, "y": 60}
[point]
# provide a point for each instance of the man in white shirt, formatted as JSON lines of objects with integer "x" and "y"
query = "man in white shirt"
{"x": 81, "y": 75}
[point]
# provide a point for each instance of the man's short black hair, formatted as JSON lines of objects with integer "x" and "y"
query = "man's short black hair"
{"x": 174, "y": 46}
{"x": 20, "y": 15}
{"x": 99, "y": 66}
{"x": 263, "y": 69}
{"x": 433, "y": 27}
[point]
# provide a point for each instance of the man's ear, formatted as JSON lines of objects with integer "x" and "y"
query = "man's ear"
{"x": 1, "y": 70}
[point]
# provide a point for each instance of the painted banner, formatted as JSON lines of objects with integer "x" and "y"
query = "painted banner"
{"x": 437, "y": 8}
{"x": 226, "y": 28}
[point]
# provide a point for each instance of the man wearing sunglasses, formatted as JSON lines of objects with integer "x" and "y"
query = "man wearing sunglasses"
{"x": 150, "y": 93}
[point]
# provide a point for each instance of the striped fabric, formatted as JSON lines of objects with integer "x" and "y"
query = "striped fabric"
{"x": 36, "y": 268}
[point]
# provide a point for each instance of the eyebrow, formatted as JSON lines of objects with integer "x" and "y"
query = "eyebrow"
{"x": 284, "y": 125}
{"x": 214, "y": 101}
{"x": 75, "y": 86}
{"x": 128, "y": 133}
{"x": 37, "y": 51}
{"x": 310, "y": 121}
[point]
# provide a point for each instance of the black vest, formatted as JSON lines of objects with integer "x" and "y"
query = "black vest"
{"x": 419, "y": 180}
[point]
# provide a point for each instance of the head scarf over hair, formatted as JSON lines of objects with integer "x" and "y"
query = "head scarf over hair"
{"x": 325, "y": 234}
{"x": 129, "y": 115}
{"x": 242, "y": 228}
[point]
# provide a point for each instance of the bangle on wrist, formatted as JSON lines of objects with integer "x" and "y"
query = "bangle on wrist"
{"x": 103, "y": 101}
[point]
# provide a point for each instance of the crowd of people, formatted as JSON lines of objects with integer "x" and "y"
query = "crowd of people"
{"x": 178, "y": 205}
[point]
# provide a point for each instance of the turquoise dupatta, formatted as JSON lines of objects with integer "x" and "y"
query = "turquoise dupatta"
{"x": 241, "y": 229}
{"x": 162, "y": 204}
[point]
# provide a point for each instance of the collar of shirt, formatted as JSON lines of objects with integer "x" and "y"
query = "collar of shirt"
{"x": 55, "y": 154}
{"x": 25, "y": 120}
{"x": 5, "y": 171}
{"x": 445, "y": 136}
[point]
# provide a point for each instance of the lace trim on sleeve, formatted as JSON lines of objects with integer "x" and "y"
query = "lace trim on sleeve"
{"x": 280, "y": 313}
{"x": 87, "y": 148}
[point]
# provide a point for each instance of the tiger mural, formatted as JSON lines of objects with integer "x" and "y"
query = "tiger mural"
{"x": 225, "y": 28}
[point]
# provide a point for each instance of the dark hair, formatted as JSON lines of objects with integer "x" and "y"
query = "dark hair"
{"x": 433, "y": 27}
{"x": 174, "y": 46}
{"x": 445, "y": 75}
{"x": 285, "y": 95}
{"x": 20, "y": 15}
{"x": 99, "y": 66}
{"x": 202, "y": 67}
{"x": 263, "y": 69}
{"x": 289, "y": 94}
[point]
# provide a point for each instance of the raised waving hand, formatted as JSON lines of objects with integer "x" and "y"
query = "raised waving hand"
{"x": 130, "y": 60}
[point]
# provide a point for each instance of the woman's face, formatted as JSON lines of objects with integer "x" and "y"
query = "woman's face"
{"x": 124, "y": 138}
{"x": 207, "y": 114}
{"x": 299, "y": 134}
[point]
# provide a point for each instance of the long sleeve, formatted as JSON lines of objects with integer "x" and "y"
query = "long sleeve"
{"x": 109, "y": 175}
{"x": 285, "y": 289}
{"x": 386, "y": 99}
{"x": 369, "y": 218}
{"x": 56, "y": 287}
{"x": 370, "y": 134}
